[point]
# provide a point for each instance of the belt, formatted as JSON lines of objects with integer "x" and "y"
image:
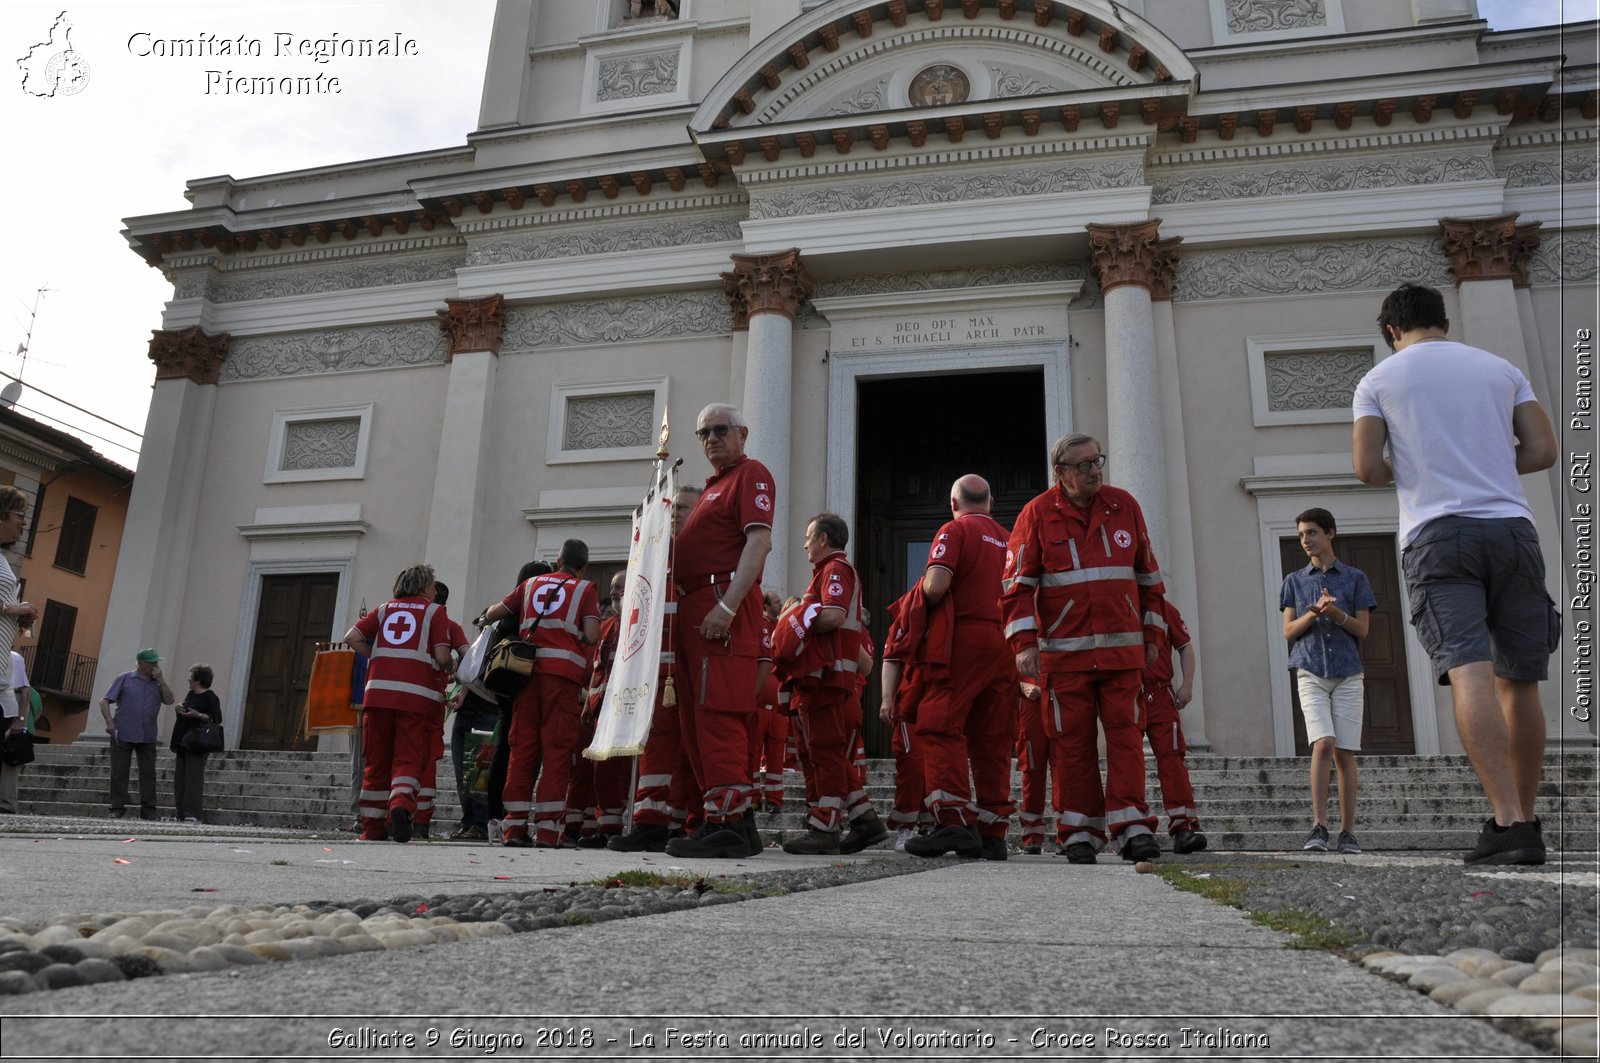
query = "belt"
{"x": 688, "y": 585}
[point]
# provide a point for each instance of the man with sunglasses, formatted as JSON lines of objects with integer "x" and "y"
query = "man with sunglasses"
{"x": 717, "y": 565}
{"x": 1082, "y": 599}
{"x": 1462, "y": 425}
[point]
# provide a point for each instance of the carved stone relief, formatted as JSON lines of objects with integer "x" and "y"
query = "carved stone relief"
{"x": 1531, "y": 171}
{"x": 320, "y": 444}
{"x": 600, "y": 422}
{"x": 1333, "y": 177}
{"x": 1565, "y": 257}
{"x": 335, "y": 351}
{"x": 871, "y": 98}
{"x": 1314, "y": 380}
{"x": 1354, "y": 265}
{"x": 594, "y": 321}
{"x": 944, "y": 188}
{"x": 301, "y": 280}
{"x": 1010, "y": 83}
{"x": 610, "y": 240}
{"x": 627, "y": 77}
{"x": 1263, "y": 16}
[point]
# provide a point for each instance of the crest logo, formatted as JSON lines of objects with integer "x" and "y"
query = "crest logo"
{"x": 763, "y": 503}
{"x": 398, "y": 628}
{"x": 1123, "y": 537}
{"x": 548, "y": 598}
{"x": 938, "y": 552}
{"x": 636, "y": 634}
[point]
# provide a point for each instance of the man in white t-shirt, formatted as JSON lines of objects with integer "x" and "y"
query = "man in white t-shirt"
{"x": 1462, "y": 425}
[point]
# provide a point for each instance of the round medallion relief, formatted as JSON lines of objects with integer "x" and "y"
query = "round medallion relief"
{"x": 938, "y": 85}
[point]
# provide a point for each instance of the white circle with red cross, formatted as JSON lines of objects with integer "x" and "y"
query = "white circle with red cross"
{"x": 399, "y": 628}
{"x": 1123, "y": 537}
{"x": 548, "y": 598}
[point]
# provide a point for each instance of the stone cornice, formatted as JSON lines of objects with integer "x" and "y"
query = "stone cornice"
{"x": 1552, "y": 137}
{"x": 189, "y": 354}
{"x": 328, "y": 255}
{"x": 1489, "y": 248}
{"x": 1254, "y": 147}
{"x": 606, "y": 210}
{"x": 976, "y": 154}
{"x": 473, "y": 325}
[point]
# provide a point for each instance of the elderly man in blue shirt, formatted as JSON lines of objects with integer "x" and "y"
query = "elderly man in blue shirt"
{"x": 138, "y": 696}
{"x": 1325, "y": 608}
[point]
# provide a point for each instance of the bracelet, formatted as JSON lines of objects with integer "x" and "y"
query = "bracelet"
{"x": 724, "y": 607}
{"x": 1341, "y": 623}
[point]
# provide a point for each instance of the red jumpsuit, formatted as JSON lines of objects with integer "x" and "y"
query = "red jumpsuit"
{"x": 428, "y": 792}
{"x": 1159, "y": 718}
{"x": 552, "y": 610}
{"x": 908, "y": 643}
{"x": 401, "y": 705}
{"x": 767, "y": 740}
{"x": 966, "y": 720}
{"x": 717, "y": 682}
{"x": 826, "y": 700}
{"x": 1038, "y": 759}
{"x": 667, "y": 790}
{"x": 599, "y": 789}
{"x": 1083, "y": 587}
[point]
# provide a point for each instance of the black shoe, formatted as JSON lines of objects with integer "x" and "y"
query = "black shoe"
{"x": 470, "y": 832}
{"x": 947, "y": 839}
{"x": 752, "y": 833}
{"x": 521, "y": 841}
{"x": 1188, "y": 841}
{"x": 1520, "y": 843}
{"x": 813, "y": 843}
{"x": 865, "y": 830}
{"x": 419, "y": 833}
{"x": 1141, "y": 847}
{"x": 593, "y": 841}
{"x": 772, "y": 809}
{"x": 723, "y": 841}
{"x": 1080, "y": 853}
{"x": 644, "y": 838}
{"x": 994, "y": 849}
{"x": 1032, "y": 850}
{"x": 400, "y": 826}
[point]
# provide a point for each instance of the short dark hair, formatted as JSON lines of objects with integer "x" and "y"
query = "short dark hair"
{"x": 202, "y": 674}
{"x": 441, "y": 593}
{"x": 833, "y": 526}
{"x": 1410, "y": 307}
{"x": 11, "y": 500}
{"x": 574, "y": 556}
{"x": 532, "y": 569}
{"x": 1318, "y": 516}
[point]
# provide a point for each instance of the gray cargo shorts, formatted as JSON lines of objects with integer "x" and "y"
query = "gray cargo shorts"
{"x": 1477, "y": 594}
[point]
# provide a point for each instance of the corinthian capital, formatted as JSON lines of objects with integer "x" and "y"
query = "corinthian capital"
{"x": 1489, "y": 248}
{"x": 188, "y": 354}
{"x": 768, "y": 284}
{"x": 1133, "y": 254}
{"x": 473, "y": 324}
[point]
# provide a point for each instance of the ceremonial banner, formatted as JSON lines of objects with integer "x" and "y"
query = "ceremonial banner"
{"x": 630, "y": 700}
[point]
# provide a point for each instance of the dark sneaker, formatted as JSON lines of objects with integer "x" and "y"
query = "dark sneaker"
{"x": 470, "y": 832}
{"x": 947, "y": 839}
{"x": 1348, "y": 844}
{"x": 865, "y": 830}
{"x": 1141, "y": 847}
{"x": 1188, "y": 841}
{"x": 1520, "y": 843}
{"x": 593, "y": 841}
{"x": 1032, "y": 850}
{"x": 400, "y": 826}
{"x": 994, "y": 849}
{"x": 752, "y": 834}
{"x": 518, "y": 841}
{"x": 646, "y": 838}
{"x": 812, "y": 843}
{"x": 1080, "y": 853}
{"x": 772, "y": 809}
{"x": 1317, "y": 840}
{"x": 721, "y": 841}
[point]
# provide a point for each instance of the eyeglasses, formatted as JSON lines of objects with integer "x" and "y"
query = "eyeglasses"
{"x": 1086, "y": 467}
{"x": 719, "y": 429}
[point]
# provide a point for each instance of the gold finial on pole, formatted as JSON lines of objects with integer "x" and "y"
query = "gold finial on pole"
{"x": 661, "y": 453}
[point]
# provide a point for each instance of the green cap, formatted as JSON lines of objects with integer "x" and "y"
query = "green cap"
{"x": 147, "y": 656}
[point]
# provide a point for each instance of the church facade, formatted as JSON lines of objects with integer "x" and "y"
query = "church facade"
{"x": 910, "y": 240}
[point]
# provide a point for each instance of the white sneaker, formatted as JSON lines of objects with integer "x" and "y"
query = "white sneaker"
{"x": 495, "y": 836}
{"x": 903, "y": 835}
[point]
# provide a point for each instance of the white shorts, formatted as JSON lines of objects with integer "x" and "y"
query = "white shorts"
{"x": 1332, "y": 708}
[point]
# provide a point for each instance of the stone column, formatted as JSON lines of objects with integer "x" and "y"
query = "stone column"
{"x": 766, "y": 291}
{"x": 147, "y": 594}
{"x": 473, "y": 329}
{"x": 1127, "y": 260}
{"x": 1489, "y": 259}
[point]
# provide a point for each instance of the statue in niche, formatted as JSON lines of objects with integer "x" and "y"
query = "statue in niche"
{"x": 662, "y": 9}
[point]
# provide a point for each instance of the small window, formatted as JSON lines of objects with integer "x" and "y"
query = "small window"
{"x": 77, "y": 531}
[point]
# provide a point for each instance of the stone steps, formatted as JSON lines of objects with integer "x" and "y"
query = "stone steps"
{"x": 1255, "y": 803}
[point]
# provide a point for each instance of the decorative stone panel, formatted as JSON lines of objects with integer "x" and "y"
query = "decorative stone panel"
{"x": 600, "y": 422}
{"x": 944, "y": 188}
{"x": 348, "y": 276}
{"x": 628, "y": 77}
{"x": 320, "y": 444}
{"x": 1314, "y": 380}
{"x": 602, "y": 240}
{"x": 605, "y": 321}
{"x": 1256, "y": 183}
{"x": 1268, "y": 16}
{"x": 1565, "y": 257}
{"x": 339, "y": 350}
{"x": 1298, "y": 269}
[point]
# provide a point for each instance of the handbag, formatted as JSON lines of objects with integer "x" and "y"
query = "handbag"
{"x": 206, "y": 738}
{"x": 508, "y": 667}
{"x": 17, "y": 749}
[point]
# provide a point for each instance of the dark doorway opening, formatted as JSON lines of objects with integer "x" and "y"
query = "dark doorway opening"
{"x": 916, "y": 436}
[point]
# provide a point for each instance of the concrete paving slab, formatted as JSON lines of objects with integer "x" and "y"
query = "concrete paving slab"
{"x": 1031, "y": 958}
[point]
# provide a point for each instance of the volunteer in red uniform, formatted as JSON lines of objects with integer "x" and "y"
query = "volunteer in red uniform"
{"x": 1038, "y": 762}
{"x": 428, "y": 792}
{"x": 917, "y": 646}
{"x": 558, "y": 614}
{"x": 1159, "y": 705}
{"x": 770, "y": 732}
{"x": 966, "y": 719}
{"x": 666, "y": 785}
{"x": 599, "y": 789}
{"x": 1082, "y": 606}
{"x": 408, "y": 640}
{"x": 717, "y": 564}
{"x": 827, "y": 698}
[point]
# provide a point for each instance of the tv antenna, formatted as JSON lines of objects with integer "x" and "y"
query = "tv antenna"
{"x": 13, "y": 391}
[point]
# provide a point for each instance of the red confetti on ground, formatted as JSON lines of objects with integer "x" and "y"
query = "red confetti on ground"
{"x": 421, "y": 908}
{"x": 125, "y": 841}
{"x": 326, "y": 849}
{"x": 503, "y": 878}
{"x": 120, "y": 860}
{"x": 1483, "y": 893}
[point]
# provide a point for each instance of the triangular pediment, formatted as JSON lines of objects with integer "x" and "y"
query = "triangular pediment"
{"x": 851, "y": 58}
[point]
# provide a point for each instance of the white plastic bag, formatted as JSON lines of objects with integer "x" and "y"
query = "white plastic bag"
{"x": 472, "y": 661}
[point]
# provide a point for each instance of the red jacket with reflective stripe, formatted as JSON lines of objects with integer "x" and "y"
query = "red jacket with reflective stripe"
{"x": 1081, "y": 585}
{"x": 560, "y": 602}
{"x": 403, "y": 674}
{"x": 834, "y": 583}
